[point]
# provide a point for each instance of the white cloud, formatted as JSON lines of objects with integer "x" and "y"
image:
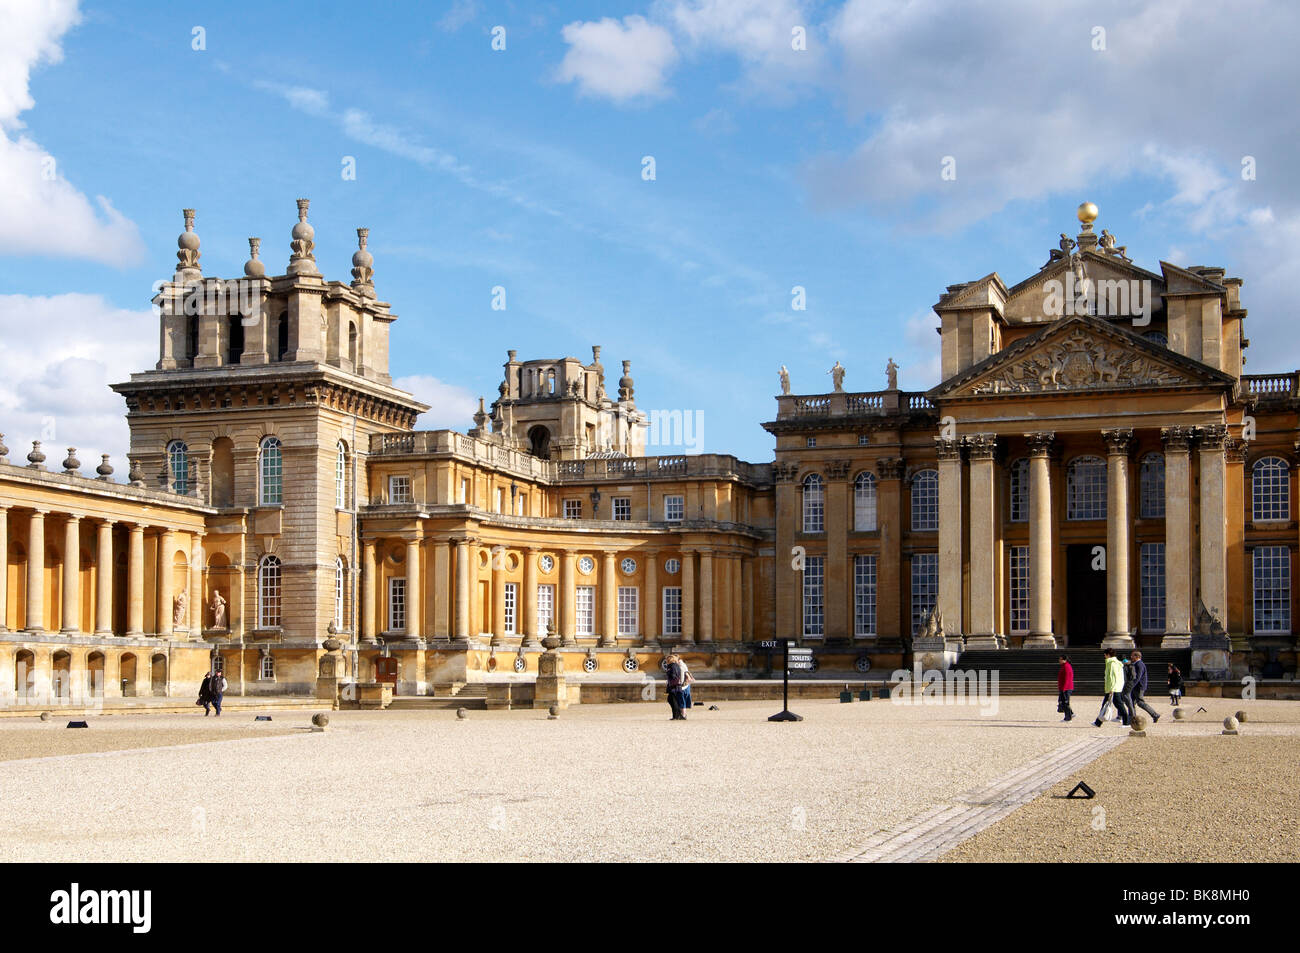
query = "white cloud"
{"x": 450, "y": 407}
{"x": 61, "y": 352}
{"x": 620, "y": 61}
{"x": 41, "y": 212}
{"x": 458, "y": 14}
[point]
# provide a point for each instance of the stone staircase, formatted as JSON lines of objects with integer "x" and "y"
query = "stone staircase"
{"x": 1033, "y": 671}
{"x": 469, "y": 695}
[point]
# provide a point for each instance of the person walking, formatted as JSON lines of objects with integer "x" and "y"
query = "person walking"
{"x": 1124, "y": 697}
{"x": 687, "y": 681}
{"x": 1140, "y": 688}
{"x": 1064, "y": 686}
{"x": 674, "y": 670}
{"x": 205, "y": 695}
{"x": 1113, "y": 682}
{"x": 1175, "y": 684}
{"x": 217, "y": 689}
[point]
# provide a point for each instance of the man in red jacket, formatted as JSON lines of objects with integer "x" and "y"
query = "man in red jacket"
{"x": 1064, "y": 686}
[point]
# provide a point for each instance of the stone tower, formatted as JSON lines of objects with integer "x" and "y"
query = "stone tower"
{"x": 262, "y": 404}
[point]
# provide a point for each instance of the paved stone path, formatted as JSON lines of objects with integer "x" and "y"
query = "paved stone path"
{"x": 936, "y": 831}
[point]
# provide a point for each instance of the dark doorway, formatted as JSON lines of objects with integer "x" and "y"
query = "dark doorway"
{"x": 539, "y": 439}
{"x": 1085, "y": 596}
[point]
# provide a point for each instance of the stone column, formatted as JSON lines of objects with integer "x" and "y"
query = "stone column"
{"x": 414, "y": 594}
{"x": 950, "y": 533}
{"x": 566, "y": 596}
{"x": 1040, "y": 543}
{"x": 787, "y": 583}
{"x": 889, "y": 567}
{"x": 1178, "y": 526}
{"x": 688, "y": 596}
{"x": 36, "y": 572}
{"x": 440, "y": 588}
{"x": 462, "y": 589}
{"x": 737, "y": 611}
{"x": 71, "y": 574}
{"x": 195, "y": 620}
{"x": 4, "y": 566}
{"x": 838, "y": 574}
{"x": 368, "y": 590}
{"x": 1118, "y": 443}
{"x": 747, "y": 599}
{"x": 529, "y": 596}
{"x": 104, "y": 579}
{"x": 608, "y": 600}
{"x": 983, "y": 539}
{"x": 653, "y": 614}
{"x": 166, "y": 543}
{"x": 1214, "y": 530}
{"x": 135, "y": 585}
{"x": 706, "y": 596}
{"x": 498, "y": 557}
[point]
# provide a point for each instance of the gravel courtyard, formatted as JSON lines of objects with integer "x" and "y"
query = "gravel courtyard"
{"x": 612, "y": 782}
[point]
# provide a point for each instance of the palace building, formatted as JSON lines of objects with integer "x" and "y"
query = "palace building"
{"x": 1093, "y": 469}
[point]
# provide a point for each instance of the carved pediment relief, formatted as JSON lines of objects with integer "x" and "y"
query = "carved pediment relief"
{"x": 1079, "y": 354}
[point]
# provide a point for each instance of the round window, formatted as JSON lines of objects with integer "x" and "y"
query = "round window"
{"x": 630, "y": 665}
{"x": 520, "y": 664}
{"x": 673, "y": 566}
{"x": 589, "y": 665}
{"x": 547, "y": 563}
{"x": 585, "y": 565}
{"x": 629, "y": 566}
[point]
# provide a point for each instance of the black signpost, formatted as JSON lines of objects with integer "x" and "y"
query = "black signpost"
{"x": 796, "y": 658}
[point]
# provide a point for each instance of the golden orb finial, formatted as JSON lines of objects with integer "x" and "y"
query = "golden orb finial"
{"x": 1087, "y": 213}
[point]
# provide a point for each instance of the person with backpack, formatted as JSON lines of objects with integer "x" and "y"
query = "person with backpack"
{"x": 205, "y": 695}
{"x": 217, "y": 689}
{"x": 1175, "y": 684}
{"x": 674, "y": 670}
{"x": 1064, "y": 686}
{"x": 1139, "y": 689}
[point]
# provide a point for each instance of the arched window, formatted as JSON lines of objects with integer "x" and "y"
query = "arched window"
{"x": 271, "y": 472}
{"x": 341, "y": 476}
{"x": 268, "y": 593}
{"x": 813, "y": 504}
{"x": 235, "y": 339}
{"x": 925, "y": 500}
{"x": 1151, "y": 487}
{"x": 864, "y": 502}
{"x": 340, "y": 576}
{"x": 1085, "y": 489}
{"x": 268, "y": 667}
{"x": 178, "y": 462}
{"x": 352, "y": 344}
{"x": 1270, "y": 489}
{"x": 1020, "y": 491}
{"x": 282, "y": 337}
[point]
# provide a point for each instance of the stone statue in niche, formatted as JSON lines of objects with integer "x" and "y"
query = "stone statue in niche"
{"x": 180, "y": 608}
{"x": 218, "y": 611}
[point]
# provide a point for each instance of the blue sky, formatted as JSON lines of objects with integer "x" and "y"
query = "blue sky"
{"x": 522, "y": 168}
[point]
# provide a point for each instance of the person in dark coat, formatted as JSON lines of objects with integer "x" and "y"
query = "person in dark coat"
{"x": 205, "y": 695}
{"x": 1175, "y": 684}
{"x": 217, "y": 689}
{"x": 675, "y": 678}
{"x": 1140, "y": 688}
{"x": 1124, "y": 697}
{"x": 1064, "y": 686}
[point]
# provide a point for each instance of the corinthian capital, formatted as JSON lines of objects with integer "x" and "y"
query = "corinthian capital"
{"x": 1118, "y": 442}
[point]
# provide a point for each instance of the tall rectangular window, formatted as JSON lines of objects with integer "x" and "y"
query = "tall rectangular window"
{"x": 399, "y": 489}
{"x": 584, "y": 610}
{"x": 1151, "y": 574}
{"x": 925, "y": 586}
{"x": 622, "y": 508}
{"x": 511, "y": 604}
{"x": 1271, "y": 574}
{"x": 397, "y": 604}
{"x": 864, "y": 595}
{"x": 628, "y": 617}
{"x": 573, "y": 509}
{"x": 1019, "y": 588}
{"x": 674, "y": 508}
{"x": 464, "y": 491}
{"x": 1019, "y": 492}
{"x": 545, "y": 607}
{"x": 672, "y": 610}
{"x": 814, "y": 584}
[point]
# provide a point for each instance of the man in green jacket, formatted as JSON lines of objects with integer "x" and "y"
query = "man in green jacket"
{"x": 1114, "y": 682}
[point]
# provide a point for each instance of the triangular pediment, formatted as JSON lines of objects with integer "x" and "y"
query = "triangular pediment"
{"x": 1027, "y": 302}
{"x": 1084, "y": 354}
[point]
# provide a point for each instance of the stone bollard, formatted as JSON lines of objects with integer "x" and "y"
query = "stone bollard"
{"x": 462, "y": 714}
{"x": 45, "y": 716}
{"x": 1230, "y": 726}
{"x": 1179, "y": 714}
{"x": 553, "y": 713}
{"x": 1138, "y": 726}
{"x": 1241, "y": 717}
{"x": 320, "y": 721}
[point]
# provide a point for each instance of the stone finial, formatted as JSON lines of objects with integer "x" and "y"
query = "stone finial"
{"x": 187, "y": 256}
{"x": 254, "y": 267}
{"x": 303, "y": 261}
{"x": 36, "y": 458}
{"x": 625, "y": 383}
{"x": 70, "y": 463}
{"x": 4, "y": 451}
{"x": 136, "y": 475}
{"x": 363, "y": 266}
{"x": 105, "y": 470}
{"x": 511, "y": 355}
{"x": 480, "y": 416}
